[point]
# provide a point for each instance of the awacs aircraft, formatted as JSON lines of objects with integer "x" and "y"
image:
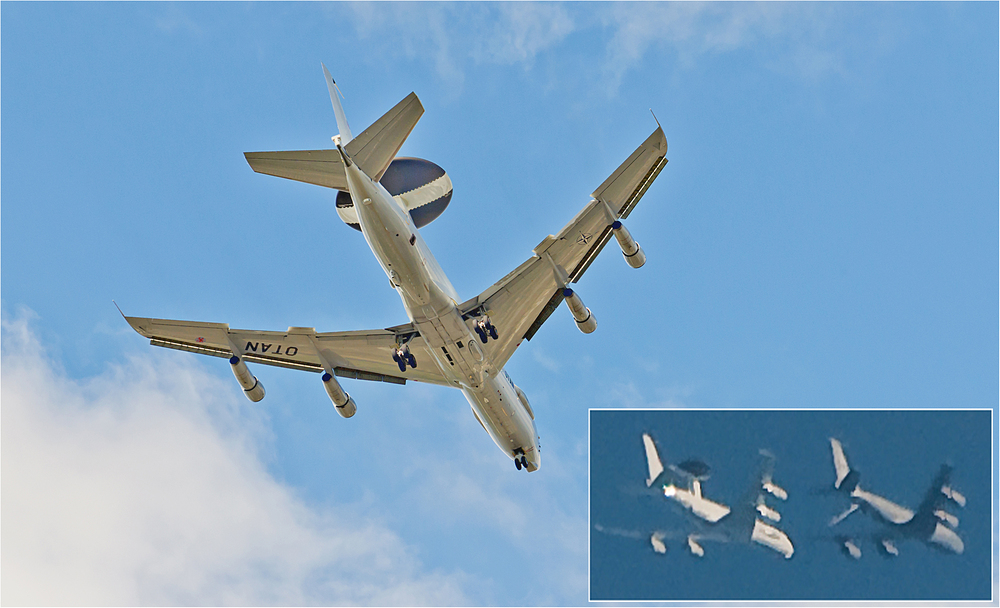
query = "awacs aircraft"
{"x": 714, "y": 521}
{"x": 929, "y": 523}
{"x": 448, "y": 341}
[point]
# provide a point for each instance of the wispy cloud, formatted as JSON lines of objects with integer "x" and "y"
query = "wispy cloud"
{"x": 145, "y": 485}
{"x": 456, "y": 37}
{"x": 619, "y": 36}
{"x": 545, "y": 361}
{"x": 689, "y": 30}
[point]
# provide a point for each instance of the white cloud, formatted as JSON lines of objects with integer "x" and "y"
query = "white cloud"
{"x": 544, "y": 360}
{"x": 692, "y": 29}
{"x": 520, "y": 31}
{"x": 455, "y": 36}
{"x": 145, "y": 485}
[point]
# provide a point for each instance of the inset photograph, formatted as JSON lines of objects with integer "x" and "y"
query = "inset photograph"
{"x": 868, "y": 505}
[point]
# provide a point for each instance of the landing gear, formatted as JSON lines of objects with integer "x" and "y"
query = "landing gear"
{"x": 520, "y": 461}
{"x": 403, "y": 357}
{"x": 485, "y": 329}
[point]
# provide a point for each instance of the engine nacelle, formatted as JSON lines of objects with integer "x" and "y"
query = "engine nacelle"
{"x": 419, "y": 186}
{"x": 630, "y": 249}
{"x": 581, "y": 314}
{"x": 946, "y": 517}
{"x": 344, "y": 403}
{"x": 775, "y": 490}
{"x": 954, "y": 495}
{"x": 768, "y": 512}
{"x": 695, "y": 548}
{"x": 888, "y": 548}
{"x": 252, "y": 387}
{"x": 850, "y": 548}
{"x": 657, "y": 541}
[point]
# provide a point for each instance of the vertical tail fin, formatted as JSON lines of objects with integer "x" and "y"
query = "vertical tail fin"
{"x": 652, "y": 459}
{"x": 839, "y": 463}
{"x": 342, "y": 126}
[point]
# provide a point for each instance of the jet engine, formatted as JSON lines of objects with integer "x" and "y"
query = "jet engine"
{"x": 584, "y": 319}
{"x": 888, "y": 548}
{"x": 630, "y": 249}
{"x": 696, "y": 549}
{"x": 344, "y": 403}
{"x": 850, "y": 548}
{"x": 954, "y": 495}
{"x": 420, "y": 186}
{"x": 946, "y": 517}
{"x": 252, "y": 388}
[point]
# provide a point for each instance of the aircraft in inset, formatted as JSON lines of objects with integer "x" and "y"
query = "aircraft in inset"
{"x": 929, "y": 523}
{"x": 747, "y": 521}
{"x": 447, "y": 341}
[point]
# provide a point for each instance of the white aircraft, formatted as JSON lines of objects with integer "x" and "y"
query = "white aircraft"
{"x": 682, "y": 483}
{"x": 449, "y": 342}
{"x": 929, "y": 523}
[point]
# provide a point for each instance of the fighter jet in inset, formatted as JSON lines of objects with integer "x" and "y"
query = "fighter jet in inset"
{"x": 750, "y": 520}
{"x": 929, "y": 523}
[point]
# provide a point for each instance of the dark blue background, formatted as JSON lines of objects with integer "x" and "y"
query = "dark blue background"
{"x": 897, "y": 453}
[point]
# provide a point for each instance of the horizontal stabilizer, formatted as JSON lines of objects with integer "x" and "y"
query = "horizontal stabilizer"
{"x": 652, "y": 459}
{"x": 319, "y": 167}
{"x": 372, "y": 150}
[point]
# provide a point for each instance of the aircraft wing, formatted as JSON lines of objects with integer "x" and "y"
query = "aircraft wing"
{"x": 364, "y": 355}
{"x": 519, "y": 303}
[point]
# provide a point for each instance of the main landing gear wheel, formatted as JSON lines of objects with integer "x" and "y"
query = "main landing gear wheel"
{"x": 403, "y": 357}
{"x": 484, "y": 327}
{"x": 517, "y": 463}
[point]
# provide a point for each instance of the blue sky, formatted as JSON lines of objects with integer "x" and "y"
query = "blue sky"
{"x": 825, "y": 235}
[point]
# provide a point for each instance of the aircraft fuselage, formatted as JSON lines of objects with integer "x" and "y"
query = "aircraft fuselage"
{"x": 431, "y": 303}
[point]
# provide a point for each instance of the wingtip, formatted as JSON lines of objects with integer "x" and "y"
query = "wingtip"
{"x": 134, "y": 322}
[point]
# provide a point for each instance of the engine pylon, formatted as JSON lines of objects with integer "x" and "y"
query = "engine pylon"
{"x": 581, "y": 314}
{"x": 630, "y": 249}
{"x": 344, "y": 403}
{"x": 252, "y": 387}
